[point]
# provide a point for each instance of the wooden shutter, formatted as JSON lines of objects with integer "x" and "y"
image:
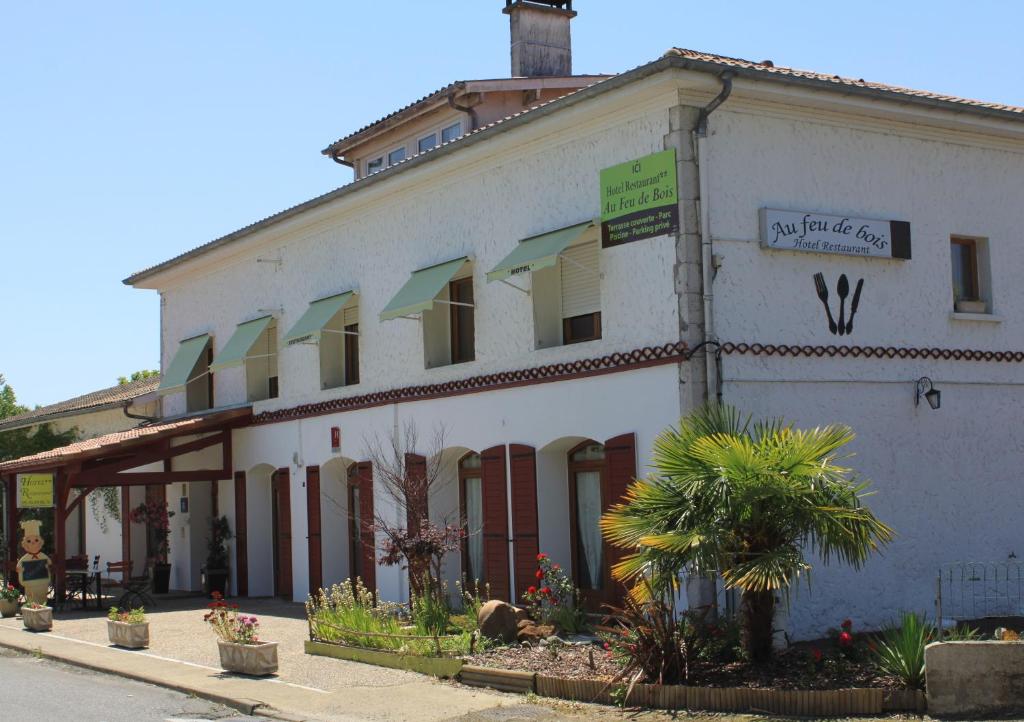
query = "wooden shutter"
{"x": 416, "y": 472}
{"x": 281, "y": 484}
{"x": 368, "y": 545}
{"x": 581, "y": 284}
{"x": 241, "y": 537}
{"x": 314, "y": 523}
{"x": 350, "y": 315}
{"x": 620, "y": 472}
{"x": 525, "y": 528}
{"x": 495, "y": 531}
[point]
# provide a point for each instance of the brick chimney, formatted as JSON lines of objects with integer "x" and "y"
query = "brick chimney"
{"x": 541, "y": 41}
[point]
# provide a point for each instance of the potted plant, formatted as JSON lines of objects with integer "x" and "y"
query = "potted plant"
{"x": 215, "y": 573}
{"x": 128, "y": 627}
{"x": 9, "y": 596}
{"x": 37, "y": 617}
{"x": 156, "y": 517}
{"x": 241, "y": 649}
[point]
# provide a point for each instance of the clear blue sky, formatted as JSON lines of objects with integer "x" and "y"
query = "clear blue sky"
{"x": 131, "y": 131}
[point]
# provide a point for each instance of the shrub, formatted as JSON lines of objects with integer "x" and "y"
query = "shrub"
{"x": 9, "y": 593}
{"x": 552, "y": 600}
{"x": 900, "y": 650}
{"x": 431, "y": 613}
{"x": 130, "y": 616}
{"x": 229, "y": 625}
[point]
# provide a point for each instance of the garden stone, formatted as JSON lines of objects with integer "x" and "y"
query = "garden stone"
{"x": 497, "y": 620}
{"x": 534, "y": 633}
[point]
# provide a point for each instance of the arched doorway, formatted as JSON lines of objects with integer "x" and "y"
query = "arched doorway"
{"x": 588, "y": 494}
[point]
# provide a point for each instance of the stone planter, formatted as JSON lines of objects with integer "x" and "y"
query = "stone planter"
{"x": 975, "y": 679}
{"x": 257, "y": 660}
{"x": 131, "y": 636}
{"x": 37, "y": 620}
{"x": 8, "y": 608}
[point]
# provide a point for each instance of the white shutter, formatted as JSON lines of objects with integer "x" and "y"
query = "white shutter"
{"x": 350, "y": 315}
{"x": 581, "y": 284}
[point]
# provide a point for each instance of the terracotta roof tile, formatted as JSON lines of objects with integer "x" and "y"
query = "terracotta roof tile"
{"x": 94, "y": 401}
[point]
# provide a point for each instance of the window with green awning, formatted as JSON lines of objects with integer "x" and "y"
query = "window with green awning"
{"x": 313, "y": 322}
{"x": 182, "y": 366}
{"x": 241, "y": 341}
{"x": 422, "y": 288}
{"x": 537, "y": 252}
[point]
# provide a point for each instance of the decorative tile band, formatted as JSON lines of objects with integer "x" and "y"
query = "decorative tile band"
{"x": 619, "y": 361}
{"x": 878, "y": 352}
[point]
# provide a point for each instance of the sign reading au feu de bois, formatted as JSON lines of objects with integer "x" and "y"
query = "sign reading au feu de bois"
{"x": 35, "y": 491}
{"x": 639, "y": 199}
{"x": 820, "y": 233}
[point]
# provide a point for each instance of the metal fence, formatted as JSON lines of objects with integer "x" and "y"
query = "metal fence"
{"x": 976, "y": 590}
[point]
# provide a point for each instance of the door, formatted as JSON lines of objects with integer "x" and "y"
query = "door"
{"x": 313, "y": 524}
{"x": 525, "y": 527}
{"x": 587, "y": 499}
{"x": 281, "y": 521}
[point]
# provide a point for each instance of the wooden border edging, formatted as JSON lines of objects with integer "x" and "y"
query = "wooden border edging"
{"x": 500, "y": 679}
{"x": 434, "y": 666}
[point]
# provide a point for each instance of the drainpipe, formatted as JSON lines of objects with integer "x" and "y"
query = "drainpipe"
{"x": 473, "y": 120}
{"x": 140, "y": 417}
{"x": 341, "y": 161}
{"x": 708, "y": 270}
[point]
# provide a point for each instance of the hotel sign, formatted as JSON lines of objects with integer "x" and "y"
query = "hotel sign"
{"x": 842, "y": 235}
{"x": 35, "y": 491}
{"x": 639, "y": 199}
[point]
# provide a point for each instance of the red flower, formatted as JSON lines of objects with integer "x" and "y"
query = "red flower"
{"x": 607, "y": 646}
{"x": 542, "y": 556}
{"x": 531, "y": 590}
{"x": 546, "y": 591}
{"x": 847, "y": 625}
{"x": 845, "y": 639}
{"x": 816, "y": 654}
{"x": 556, "y": 567}
{"x": 539, "y": 574}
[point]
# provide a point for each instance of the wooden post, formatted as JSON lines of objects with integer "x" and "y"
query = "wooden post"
{"x": 126, "y": 532}
{"x": 60, "y": 530}
{"x": 12, "y": 519}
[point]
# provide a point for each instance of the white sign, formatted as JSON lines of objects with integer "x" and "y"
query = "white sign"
{"x": 819, "y": 233}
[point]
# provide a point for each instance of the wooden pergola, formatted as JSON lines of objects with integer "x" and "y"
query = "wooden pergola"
{"x": 114, "y": 460}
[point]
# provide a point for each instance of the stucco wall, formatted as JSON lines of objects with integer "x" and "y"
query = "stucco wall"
{"x": 947, "y": 481}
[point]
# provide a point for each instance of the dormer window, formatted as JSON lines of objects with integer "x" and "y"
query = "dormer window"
{"x": 426, "y": 143}
{"x": 450, "y": 133}
{"x": 375, "y": 165}
{"x": 396, "y": 156}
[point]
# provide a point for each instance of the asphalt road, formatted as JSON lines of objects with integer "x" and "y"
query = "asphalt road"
{"x": 38, "y": 690}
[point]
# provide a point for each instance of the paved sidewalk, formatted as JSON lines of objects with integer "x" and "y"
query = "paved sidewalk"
{"x": 183, "y": 656}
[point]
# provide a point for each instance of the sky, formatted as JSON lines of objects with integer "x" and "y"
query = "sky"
{"x": 133, "y": 131}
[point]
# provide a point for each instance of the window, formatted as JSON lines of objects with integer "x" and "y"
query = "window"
{"x": 355, "y": 546}
{"x": 426, "y": 143}
{"x": 581, "y": 293}
{"x": 462, "y": 330}
{"x": 199, "y": 388}
{"x": 472, "y": 503}
{"x": 450, "y": 133}
{"x": 970, "y": 275}
{"x": 586, "y": 499}
{"x": 375, "y": 165}
{"x": 339, "y": 348}
{"x": 261, "y": 366}
{"x": 350, "y": 319}
{"x": 396, "y": 156}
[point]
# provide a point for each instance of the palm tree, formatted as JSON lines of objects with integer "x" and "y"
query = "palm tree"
{"x": 744, "y": 501}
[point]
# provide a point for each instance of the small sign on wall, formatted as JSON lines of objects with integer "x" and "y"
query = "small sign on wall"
{"x": 335, "y": 439}
{"x": 841, "y": 235}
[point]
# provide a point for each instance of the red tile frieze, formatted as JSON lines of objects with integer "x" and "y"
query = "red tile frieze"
{"x": 620, "y": 361}
{"x": 871, "y": 352}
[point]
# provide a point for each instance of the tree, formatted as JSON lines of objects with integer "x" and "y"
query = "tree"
{"x": 9, "y": 405}
{"x": 748, "y": 502}
{"x": 137, "y": 376}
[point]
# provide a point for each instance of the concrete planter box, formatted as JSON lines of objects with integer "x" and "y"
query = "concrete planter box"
{"x": 8, "y": 608}
{"x": 434, "y": 666}
{"x": 37, "y": 620}
{"x": 131, "y": 636}
{"x": 257, "y": 660}
{"x": 975, "y": 679}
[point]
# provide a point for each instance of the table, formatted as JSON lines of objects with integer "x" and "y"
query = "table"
{"x": 86, "y": 580}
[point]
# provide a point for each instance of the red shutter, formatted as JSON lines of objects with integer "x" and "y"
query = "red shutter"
{"x": 364, "y": 472}
{"x": 620, "y": 462}
{"x": 416, "y": 474}
{"x": 241, "y": 537}
{"x": 316, "y": 569}
{"x": 495, "y": 531}
{"x": 525, "y": 528}
{"x": 283, "y": 576}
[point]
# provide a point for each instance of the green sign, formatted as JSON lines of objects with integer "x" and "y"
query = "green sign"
{"x": 35, "y": 491}
{"x": 639, "y": 199}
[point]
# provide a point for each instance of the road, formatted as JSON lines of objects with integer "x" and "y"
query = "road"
{"x": 38, "y": 690}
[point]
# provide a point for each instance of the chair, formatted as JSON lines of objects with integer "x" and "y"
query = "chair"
{"x": 135, "y": 588}
{"x": 75, "y": 584}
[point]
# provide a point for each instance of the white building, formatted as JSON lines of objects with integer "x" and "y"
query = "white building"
{"x": 386, "y": 304}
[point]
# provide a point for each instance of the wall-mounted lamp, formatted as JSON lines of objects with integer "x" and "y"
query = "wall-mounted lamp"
{"x": 932, "y": 395}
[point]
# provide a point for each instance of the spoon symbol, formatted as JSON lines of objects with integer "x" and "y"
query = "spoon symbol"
{"x": 843, "y": 289}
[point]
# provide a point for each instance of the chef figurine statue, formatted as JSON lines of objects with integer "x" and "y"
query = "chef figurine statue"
{"x": 34, "y": 567}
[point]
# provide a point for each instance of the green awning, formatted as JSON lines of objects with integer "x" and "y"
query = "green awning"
{"x": 421, "y": 289}
{"x": 318, "y": 315}
{"x": 241, "y": 341}
{"x": 537, "y": 252}
{"x": 179, "y": 372}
